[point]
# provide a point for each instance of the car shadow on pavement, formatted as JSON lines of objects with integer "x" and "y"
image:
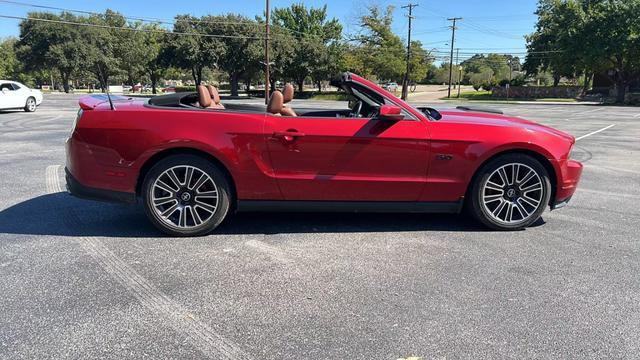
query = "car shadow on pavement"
{"x": 60, "y": 214}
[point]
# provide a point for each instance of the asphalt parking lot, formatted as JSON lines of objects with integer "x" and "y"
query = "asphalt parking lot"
{"x": 82, "y": 279}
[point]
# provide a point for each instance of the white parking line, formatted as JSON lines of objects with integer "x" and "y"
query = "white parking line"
{"x": 588, "y": 111}
{"x": 636, "y": 116}
{"x": 595, "y": 132}
{"x": 51, "y": 179}
{"x": 212, "y": 344}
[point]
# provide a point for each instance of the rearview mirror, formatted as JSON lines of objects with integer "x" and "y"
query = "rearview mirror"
{"x": 390, "y": 112}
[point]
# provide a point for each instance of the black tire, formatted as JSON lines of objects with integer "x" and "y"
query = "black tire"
{"x": 178, "y": 162}
{"x": 486, "y": 215}
{"x": 30, "y": 104}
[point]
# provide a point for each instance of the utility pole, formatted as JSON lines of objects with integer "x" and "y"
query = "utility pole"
{"x": 453, "y": 39}
{"x": 405, "y": 82}
{"x": 266, "y": 56}
{"x": 510, "y": 75}
{"x": 459, "y": 70}
{"x": 455, "y": 86}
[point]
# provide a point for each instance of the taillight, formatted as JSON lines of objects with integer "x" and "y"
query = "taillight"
{"x": 75, "y": 121}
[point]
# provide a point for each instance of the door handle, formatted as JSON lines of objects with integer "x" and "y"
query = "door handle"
{"x": 289, "y": 135}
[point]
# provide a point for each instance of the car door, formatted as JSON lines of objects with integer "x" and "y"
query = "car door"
{"x": 6, "y": 96}
{"x": 348, "y": 159}
{"x": 11, "y": 96}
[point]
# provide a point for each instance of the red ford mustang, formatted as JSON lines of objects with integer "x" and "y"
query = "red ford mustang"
{"x": 193, "y": 160}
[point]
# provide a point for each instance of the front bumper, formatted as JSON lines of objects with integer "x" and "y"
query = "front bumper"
{"x": 568, "y": 179}
{"x": 558, "y": 204}
{"x": 76, "y": 189}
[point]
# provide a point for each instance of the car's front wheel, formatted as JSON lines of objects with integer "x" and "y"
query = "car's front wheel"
{"x": 186, "y": 195}
{"x": 30, "y": 105}
{"x": 511, "y": 192}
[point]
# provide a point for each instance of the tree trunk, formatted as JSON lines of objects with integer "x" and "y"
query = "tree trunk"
{"x": 301, "y": 86}
{"x": 319, "y": 83}
{"x": 556, "y": 80}
{"x": 621, "y": 86}
{"x": 272, "y": 86}
{"x": 154, "y": 82}
{"x": 587, "y": 82}
{"x": 196, "y": 71}
{"x": 233, "y": 79}
{"x": 65, "y": 81}
{"x": 247, "y": 84}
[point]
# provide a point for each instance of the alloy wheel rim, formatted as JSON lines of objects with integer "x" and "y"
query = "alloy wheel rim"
{"x": 512, "y": 194}
{"x": 184, "y": 197}
{"x": 31, "y": 104}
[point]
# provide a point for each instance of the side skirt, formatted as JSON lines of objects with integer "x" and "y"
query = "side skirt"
{"x": 453, "y": 207}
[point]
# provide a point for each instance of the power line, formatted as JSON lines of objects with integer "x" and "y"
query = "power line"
{"x": 154, "y": 20}
{"x": 129, "y": 17}
{"x": 129, "y": 28}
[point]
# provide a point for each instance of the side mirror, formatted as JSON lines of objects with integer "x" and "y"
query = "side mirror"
{"x": 4, "y": 90}
{"x": 390, "y": 112}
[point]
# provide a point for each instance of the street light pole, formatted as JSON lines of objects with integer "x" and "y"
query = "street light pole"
{"x": 453, "y": 39}
{"x": 266, "y": 55}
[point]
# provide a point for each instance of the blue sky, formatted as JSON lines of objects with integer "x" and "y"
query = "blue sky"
{"x": 487, "y": 26}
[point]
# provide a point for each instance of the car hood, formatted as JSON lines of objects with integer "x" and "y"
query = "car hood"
{"x": 490, "y": 119}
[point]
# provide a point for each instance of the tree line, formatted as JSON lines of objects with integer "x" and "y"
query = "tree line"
{"x": 305, "y": 45}
{"x": 577, "y": 38}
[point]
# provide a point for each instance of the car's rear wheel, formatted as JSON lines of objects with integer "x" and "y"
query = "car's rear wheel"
{"x": 511, "y": 192}
{"x": 186, "y": 195}
{"x": 30, "y": 105}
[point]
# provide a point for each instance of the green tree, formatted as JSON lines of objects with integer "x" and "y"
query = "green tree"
{"x": 612, "y": 40}
{"x": 133, "y": 51}
{"x": 243, "y": 51}
{"x": 420, "y": 62}
{"x": 104, "y": 49}
{"x": 555, "y": 46}
{"x": 52, "y": 45}
{"x": 9, "y": 65}
{"x": 381, "y": 51}
{"x": 576, "y": 37}
{"x": 195, "y": 51}
{"x": 328, "y": 64}
{"x": 155, "y": 60}
{"x": 315, "y": 37}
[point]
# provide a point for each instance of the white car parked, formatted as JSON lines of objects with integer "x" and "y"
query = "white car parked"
{"x": 14, "y": 95}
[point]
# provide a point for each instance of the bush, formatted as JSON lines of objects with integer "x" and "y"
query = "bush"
{"x": 477, "y": 87}
{"x": 303, "y": 95}
{"x": 487, "y": 86}
{"x": 185, "y": 89}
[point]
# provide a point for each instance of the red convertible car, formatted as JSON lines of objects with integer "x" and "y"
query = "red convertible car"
{"x": 193, "y": 160}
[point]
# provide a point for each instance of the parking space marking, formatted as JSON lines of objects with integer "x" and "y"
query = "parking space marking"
{"x": 208, "y": 341}
{"x": 588, "y": 111}
{"x": 595, "y": 132}
{"x": 636, "y": 116}
{"x": 52, "y": 182}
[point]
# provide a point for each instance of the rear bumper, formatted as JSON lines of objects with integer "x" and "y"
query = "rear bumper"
{"x": 76, "y": 189}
